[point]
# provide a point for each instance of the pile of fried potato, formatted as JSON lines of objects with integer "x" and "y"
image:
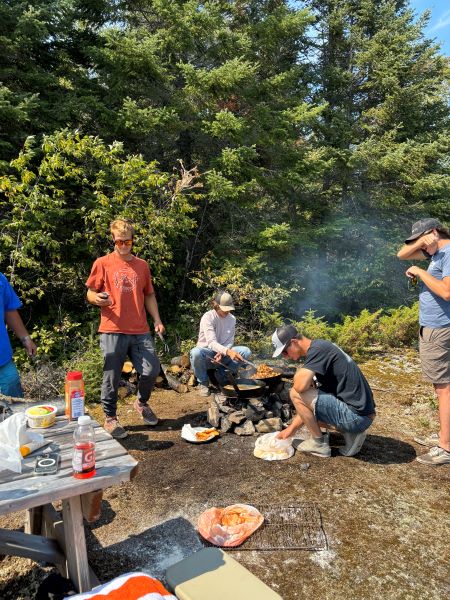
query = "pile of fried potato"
{"x": 263, "y": 371}
{"x": 206, "y": 434}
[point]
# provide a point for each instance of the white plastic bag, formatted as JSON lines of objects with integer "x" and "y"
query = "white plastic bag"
{"x": 269, "y": 447}
{"x": 13, "y": 434}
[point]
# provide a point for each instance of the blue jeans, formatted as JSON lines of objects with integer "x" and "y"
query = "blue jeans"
{"x": 201, "y": 362}
{"x": 332, "y": 411}
{"x": 10, "y": 380}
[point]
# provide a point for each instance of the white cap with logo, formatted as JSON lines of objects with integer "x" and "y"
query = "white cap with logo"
{"x": 281, "y": 338}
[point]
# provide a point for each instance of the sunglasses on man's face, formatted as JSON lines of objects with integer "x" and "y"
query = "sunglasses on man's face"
{"x": 123, "y": 242}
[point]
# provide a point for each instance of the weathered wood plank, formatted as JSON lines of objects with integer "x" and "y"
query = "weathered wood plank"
{"x": 36, "y": 547}
{"x": 24, "y": 494}
{"x": 33, "y": 520}
{"x": 105, "y": 448}
{"x": 77, "y": 562}
{"x": 54, "y": 528}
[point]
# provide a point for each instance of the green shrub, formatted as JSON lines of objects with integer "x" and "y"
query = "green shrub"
{"x": 399, "y": 326}
{"x": 315, "y": 327}
{"x": 356, "y": 334}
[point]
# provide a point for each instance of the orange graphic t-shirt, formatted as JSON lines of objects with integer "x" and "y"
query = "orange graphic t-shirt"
{"x": 127, "y": 283}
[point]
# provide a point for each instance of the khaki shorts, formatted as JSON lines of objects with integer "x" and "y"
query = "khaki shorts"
{"x": 434, "y": 347}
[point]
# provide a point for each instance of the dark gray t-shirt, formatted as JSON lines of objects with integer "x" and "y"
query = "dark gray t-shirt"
{"x": 339, "y": 375}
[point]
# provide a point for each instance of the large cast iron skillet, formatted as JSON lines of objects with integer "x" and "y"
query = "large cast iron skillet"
{"x": 251, "y": 388}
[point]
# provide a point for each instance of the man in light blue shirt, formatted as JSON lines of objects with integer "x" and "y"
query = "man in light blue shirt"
{"x": 429, "y": 239}
{"x": 9, "y": 303}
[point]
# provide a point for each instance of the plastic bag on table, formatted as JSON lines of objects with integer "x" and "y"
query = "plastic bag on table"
{"x": 269, "y": 447}
{"x": 230, "y": 526}
{"x": 13, "y": 435}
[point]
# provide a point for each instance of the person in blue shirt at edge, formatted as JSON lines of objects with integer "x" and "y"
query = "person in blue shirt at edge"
{"x": 9, "y": 303}
{"x": 430, "y": 240}
{"x": 329, "y": 391}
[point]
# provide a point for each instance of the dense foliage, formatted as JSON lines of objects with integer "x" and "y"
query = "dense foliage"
{"x": 280, "y": 149}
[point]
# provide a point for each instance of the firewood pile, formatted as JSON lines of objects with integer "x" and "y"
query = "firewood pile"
{"x": 177, "y": 376}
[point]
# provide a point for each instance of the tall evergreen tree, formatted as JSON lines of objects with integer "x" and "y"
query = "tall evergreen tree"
{"x": 47, "y": 78}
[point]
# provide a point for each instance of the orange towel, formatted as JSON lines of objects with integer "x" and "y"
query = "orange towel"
{"x": 131, "y": 586}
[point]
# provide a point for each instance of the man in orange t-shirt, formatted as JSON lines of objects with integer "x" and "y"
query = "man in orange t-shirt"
{"x": 121, "y": 285}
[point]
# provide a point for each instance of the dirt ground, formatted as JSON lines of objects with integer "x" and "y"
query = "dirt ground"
{"x": 386, "y": 516}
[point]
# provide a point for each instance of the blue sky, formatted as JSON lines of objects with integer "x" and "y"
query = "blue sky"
{"x": 439, "y": 25}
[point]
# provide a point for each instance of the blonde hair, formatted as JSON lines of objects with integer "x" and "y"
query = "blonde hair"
{"x": 122, "y": 227}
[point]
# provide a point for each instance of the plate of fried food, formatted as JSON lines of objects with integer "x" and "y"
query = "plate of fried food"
{"x": 198, "y": 435}
{"x": 229, "y": 526}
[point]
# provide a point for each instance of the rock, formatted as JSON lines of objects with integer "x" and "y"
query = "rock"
{"x": 236, "y": 417}
{"x": 269, "y": 425}
{"x": 221, "y": 402}
{"x": 286, "y": 412}
{"x": 213, "y": 414}
{"x": 220, "y": 398}
{"x": 304, "y": 466}
{"x": 246, "y": 428}
{"x": 256, "y": 404}
{"x": 252, "y": 414}
{"x": 269, "y": 414}
{"x": 225, "y": 424}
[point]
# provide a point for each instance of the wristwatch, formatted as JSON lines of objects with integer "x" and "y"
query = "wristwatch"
{"x": 25, "y": 338}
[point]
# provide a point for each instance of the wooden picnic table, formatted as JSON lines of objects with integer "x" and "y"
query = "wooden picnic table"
{"x": 49, "y": 536}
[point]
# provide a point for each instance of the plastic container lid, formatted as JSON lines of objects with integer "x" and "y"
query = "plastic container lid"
{"x": 74, "y": 375}
{"x": 84, "y": 420}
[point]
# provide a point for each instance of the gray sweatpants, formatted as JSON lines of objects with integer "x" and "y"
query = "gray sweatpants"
{"x": 115, "y": 348}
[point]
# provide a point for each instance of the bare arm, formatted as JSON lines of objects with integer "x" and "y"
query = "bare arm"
{"x": 440, "y": 287}
{"x": 151, "y": 306}
{"x": 96, "y": 299}
{"x": 15, "y": 323}
{"x": 414, "y": 251}
{"x": 303, "y": 380}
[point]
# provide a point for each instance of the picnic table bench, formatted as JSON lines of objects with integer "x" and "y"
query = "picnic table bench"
{"x": 50, "y": 536}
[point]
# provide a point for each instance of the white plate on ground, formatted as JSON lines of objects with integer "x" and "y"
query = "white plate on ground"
{"x": 188, "y": 433}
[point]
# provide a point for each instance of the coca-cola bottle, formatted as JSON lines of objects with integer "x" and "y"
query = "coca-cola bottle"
{"x": 83, "y": 461}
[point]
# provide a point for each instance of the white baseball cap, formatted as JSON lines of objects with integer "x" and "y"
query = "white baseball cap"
{"x": 282, "y": 337}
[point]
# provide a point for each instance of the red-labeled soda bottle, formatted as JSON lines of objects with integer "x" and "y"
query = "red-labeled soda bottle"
{"x": 83, "y": 461}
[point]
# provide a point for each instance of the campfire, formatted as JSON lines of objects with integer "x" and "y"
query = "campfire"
{"x": 270, "y": 410}
{"x": 259, "y": 403}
